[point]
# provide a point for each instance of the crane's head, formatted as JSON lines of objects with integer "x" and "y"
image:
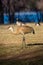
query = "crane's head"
{"x": 10, "y": 28}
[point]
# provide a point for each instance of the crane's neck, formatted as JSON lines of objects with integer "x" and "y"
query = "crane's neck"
{"x": 12, "y": 30}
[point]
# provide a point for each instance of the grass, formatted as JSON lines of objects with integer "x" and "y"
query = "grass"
{"x": 8, "y": 37}
{"x": 11, "y": 51}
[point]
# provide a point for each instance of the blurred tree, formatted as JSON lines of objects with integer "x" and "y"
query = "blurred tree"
{"x": 1, "y": 9}
{"x": 39, "y": 5}
{"x": 11, "y": 6}
{"x": 22, "y": 5}
{"x": 5, "y": 5}
{"x": 19, "y": 5}
{"x": 1, "y": 13}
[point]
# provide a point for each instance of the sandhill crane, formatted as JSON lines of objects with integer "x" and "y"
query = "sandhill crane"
{"x": 23, "y": 30}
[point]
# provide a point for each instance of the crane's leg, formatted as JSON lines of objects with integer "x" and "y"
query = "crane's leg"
{"x": 23, "y": 42}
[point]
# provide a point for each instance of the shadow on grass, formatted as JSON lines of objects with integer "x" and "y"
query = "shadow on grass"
{"x": 35, "y": 44}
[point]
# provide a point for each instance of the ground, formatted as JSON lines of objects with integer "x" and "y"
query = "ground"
{"x": 11, "y": 45}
